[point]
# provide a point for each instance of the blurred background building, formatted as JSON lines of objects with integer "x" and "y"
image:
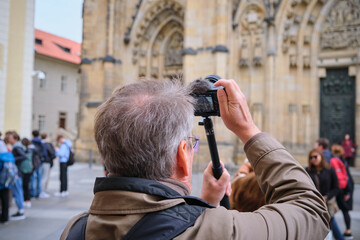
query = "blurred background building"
{"x": 297, "y": 61}
{"x": 16, "y": 65}
{"x": 55, "y": 85}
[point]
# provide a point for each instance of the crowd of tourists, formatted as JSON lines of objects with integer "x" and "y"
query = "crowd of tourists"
{"x": 329, "y": 170}
{"x": 25, "y": 167}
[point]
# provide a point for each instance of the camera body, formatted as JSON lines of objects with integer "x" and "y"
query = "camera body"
{"x": 206, "y": 101}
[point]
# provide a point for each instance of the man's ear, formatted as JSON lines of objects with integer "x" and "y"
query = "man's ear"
{"x": 182, "y": 161}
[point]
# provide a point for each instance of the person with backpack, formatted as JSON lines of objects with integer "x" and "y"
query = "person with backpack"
{"x": 344, "y": 198}
{"x": 63, "y": 153}
{"x": 37, "y": 173}
{"x": 18, "y": 151}
{"x": 5, "y": 156}
{"x": 26, "y": 169}
{"x": 46, "y": 165}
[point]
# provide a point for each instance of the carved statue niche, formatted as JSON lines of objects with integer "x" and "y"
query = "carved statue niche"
{"x": 293, "y": 56}
{"x": 341, "y": 29}
{"x": 258, "y": 50}
{"x": 173, "y": 52}
{"x": 244, "y": 54}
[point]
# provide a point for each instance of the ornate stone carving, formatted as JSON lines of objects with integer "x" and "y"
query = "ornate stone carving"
{"x": 156, "y": 15}
{"x": 342, "y": 26}
{"x": 154, "y": 72}
{"x": 292, "y": 108}
{"x": 243, "y": 62}
{"x": 173, "y": 52}
{"x": 306, "y": 61}
{"x": 252, "y": 19}
{"x": 142, "y": 71}
{"x": 257, "y": 59}
{"x": 293, "y": 60}
{"x": 244, "y": 54}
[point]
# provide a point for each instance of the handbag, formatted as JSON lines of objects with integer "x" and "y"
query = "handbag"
{"x": 332, "y": 206}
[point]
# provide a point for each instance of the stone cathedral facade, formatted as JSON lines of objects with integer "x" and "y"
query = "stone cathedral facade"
{"x": 297, "y": 61}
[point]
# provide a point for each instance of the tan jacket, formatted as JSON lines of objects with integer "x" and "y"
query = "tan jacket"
{"x": 295, "y": 208}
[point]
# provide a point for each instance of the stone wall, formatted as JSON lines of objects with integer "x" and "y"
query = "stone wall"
{"x": 276, "y": 52}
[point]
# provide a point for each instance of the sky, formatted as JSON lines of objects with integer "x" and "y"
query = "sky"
{"x": 62, "y": 18}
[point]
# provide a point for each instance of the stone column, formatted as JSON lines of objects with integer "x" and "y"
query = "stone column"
{"x": 191, "y": 40}
{"x": 221, "y": 49}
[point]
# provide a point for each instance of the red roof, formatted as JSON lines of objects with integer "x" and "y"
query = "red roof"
{"x": 57, "y": 47}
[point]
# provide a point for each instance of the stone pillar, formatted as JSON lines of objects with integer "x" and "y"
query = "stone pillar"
{"x": 270, "y": 80}
{"x": 221, "y": 50}
{"x": 191, "y": 40}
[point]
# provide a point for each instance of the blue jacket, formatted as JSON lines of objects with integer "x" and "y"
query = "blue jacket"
{"x": 3, "y": 147}
{"x": 6, "y": 157}
{"x": 64, "y": 151}
{"x": 327, "y": 155}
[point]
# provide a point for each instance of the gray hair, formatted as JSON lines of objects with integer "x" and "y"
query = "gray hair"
{"x": 139, "y": 128}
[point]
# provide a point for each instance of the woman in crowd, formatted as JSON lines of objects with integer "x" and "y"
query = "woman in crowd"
{"x": 344, "y": 198}
{"x": 325, "y": 180}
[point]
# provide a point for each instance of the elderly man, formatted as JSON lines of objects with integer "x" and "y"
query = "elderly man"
{"x": 143, "y": 132}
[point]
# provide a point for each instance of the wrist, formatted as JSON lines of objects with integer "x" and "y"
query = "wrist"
{"x": 245, "y": 135}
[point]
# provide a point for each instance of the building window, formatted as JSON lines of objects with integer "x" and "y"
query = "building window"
{"x": 38, "y": 41}
{"x": 65, "y": 49}
{"x": 63, "y": 83}
{"x": 62, "y": 120}
{"x": 41, "y": 123}
{"x": 42, "y": 80}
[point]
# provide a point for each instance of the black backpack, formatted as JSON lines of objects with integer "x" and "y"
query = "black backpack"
{"x": 50, "y": 150}
{"x": 39, "y": 151}
{"x": 71, "y": 159}
{"x": 36, "y": 159}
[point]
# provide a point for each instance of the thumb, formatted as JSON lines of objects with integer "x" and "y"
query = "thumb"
{"x": 223, "y": 101}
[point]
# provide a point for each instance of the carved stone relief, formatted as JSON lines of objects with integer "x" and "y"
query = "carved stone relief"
{"x": 151, "y": 20}
{"x": 173, "y": 52}
{"x": 252, "y": 28}
{"x": 244, "y": 54}
{"x": 342, "y": 26}
{"x": 252, "y": 20}
{"x": 158, "y": 42}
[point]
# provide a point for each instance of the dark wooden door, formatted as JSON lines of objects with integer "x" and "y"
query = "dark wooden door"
{"x": 337, "y": 105}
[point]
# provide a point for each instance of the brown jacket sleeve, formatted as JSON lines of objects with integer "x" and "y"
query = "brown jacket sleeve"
{"x": 295, "y": 208}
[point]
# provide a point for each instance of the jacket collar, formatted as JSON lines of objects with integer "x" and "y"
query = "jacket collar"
{"x": 123, "y": 195}
{"x": 140, "y": 185}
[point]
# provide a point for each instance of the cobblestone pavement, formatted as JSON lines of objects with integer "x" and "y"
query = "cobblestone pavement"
{"x": 47, "y": 218}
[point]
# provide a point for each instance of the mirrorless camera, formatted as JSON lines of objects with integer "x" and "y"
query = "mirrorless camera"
{"x": 205, "y": 94}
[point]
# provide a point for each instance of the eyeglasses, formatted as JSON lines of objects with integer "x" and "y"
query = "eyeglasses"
{"x": 194, "y": 141}
{"x": 315, "y": 157}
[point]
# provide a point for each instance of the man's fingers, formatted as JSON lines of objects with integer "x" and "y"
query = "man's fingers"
{"x": 230, "y": 86}
{"x": 225, "y": 177}
{"x": 223, "y": 101}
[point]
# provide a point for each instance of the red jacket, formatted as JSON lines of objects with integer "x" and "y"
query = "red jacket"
{"x": 340, "y": 170}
